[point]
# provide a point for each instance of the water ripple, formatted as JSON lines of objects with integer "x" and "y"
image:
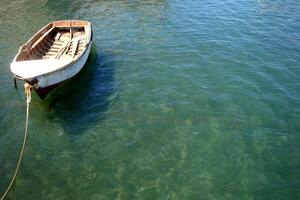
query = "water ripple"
{"x": 179, "y": 100}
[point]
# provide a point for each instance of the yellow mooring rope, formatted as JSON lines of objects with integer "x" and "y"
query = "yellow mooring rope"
{"x": 28, "y": 99}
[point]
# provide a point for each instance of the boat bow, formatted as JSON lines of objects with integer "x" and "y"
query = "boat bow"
{"x": 33, "y": 68}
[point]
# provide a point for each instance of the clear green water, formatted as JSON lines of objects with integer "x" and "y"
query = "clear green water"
{"x": 179, "y": 100}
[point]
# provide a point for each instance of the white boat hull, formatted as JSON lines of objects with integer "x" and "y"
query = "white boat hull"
{"x": 45, "y": 83}
{"x": 63, "y": 74}
{"x": 53, "y": 55}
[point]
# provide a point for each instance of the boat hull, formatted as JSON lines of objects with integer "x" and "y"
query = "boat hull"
{"x": 56, "y": 53}
{"x": 43, "y": 92}
{"x": 47, "y": 82}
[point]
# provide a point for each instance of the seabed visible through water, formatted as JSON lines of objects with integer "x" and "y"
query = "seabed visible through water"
{"x": 178, "y": 100}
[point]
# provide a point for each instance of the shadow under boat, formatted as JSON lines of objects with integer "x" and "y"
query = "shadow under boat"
{"x": 84, "y": 100}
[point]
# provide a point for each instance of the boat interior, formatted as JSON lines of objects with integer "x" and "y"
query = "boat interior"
{"x": 58, "y": 40}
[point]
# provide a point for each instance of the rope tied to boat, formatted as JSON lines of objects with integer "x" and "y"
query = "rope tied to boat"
{"x": 27, "y": 88}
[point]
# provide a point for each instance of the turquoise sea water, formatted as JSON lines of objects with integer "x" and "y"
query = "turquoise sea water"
{"x": 178, "y": 100}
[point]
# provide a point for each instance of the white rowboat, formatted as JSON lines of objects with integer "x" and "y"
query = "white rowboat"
{"x": 53, "y": 55}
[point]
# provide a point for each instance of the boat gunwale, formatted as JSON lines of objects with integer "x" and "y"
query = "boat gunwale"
{"x": 88, "y": 42}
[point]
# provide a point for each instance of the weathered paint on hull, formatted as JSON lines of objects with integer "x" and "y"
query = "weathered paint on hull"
{"x": 50, "y": 81}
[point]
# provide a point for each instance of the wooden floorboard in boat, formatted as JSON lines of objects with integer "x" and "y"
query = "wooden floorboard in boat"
{"x": 49, "y": 46}
{"x": 39, "y": 54}
{"x": 42, "y": 48}
{"x": 46, "y": 44}
{"x": 34, "y": 55}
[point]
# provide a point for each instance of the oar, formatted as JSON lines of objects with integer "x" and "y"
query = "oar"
{"x": 62, "y": 50}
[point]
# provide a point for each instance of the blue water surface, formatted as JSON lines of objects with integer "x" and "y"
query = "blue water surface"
{"x": 178, "y": 100}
